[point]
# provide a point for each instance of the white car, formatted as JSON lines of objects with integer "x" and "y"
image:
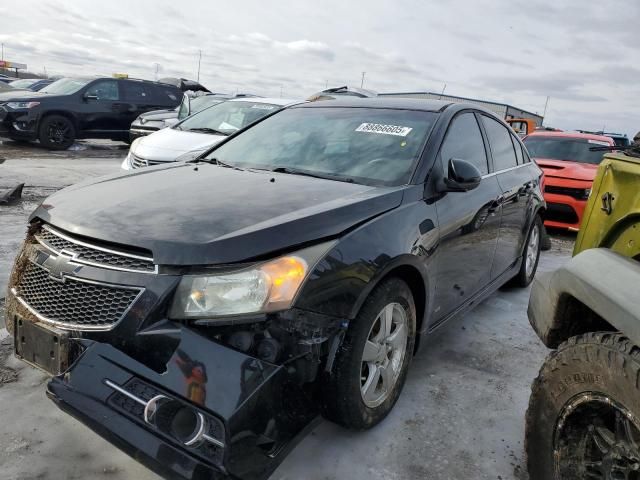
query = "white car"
{"x": 197, "y": 133}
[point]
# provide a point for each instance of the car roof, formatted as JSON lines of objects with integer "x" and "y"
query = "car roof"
{"x": 274, "y": 101}
{"x": 577, "y": 135}
{"x": 387, "y": 102}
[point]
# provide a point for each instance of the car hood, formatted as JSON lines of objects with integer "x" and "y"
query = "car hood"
{"x": 189, "y": 214}
{"x": 567, "y": 169}
{"x": 156, "y": 115}
{"x": 168, "y": 144}
{"x": 22, "y": 95}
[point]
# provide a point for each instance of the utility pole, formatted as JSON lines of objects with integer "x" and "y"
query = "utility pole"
{"x": 442, "y": 92}
{"x": 2, "y": 52}
{"x": 326, "y": 84}
{"x": 199, "y": 59}
{"x": 362, "y": 81}
{"x": 544, "y": 114}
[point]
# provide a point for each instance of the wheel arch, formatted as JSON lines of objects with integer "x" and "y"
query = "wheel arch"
{"x": 573, "y": 317}
{"x": 63, "y": 113}
{"x": 417, "y": 281}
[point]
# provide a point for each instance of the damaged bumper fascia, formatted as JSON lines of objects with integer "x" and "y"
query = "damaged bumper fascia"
{"x": 214, "y": 413}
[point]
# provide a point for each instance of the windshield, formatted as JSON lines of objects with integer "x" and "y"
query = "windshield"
{"x": 65, "y": 86}
{"x": 227, "y": 117}
{"x": 569, "y": 149}
{"x": 24, "y": 83}
{"x": 364, "y": 145}
{"x": 199, "y": 103}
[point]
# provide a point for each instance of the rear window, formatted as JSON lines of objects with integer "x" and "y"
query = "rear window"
{"x": 565, "y": 148}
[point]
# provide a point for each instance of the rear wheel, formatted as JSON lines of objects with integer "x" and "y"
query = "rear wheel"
{"x": 530, "y": 255}
{"x": 371, "y": 366}
{"x": 56, "y": 132}
{"x": 583, "y": 419}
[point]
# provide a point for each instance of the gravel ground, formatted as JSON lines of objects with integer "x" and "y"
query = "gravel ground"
{"x": 460, "y": 416}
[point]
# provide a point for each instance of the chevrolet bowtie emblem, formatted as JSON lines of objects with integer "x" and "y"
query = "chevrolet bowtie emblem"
{"x": 59, "y": 266}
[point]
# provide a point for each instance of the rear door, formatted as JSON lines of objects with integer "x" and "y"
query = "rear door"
{"x": 469, "y": 222}
{"x": 98, "y": 109}
{"x": 517, "y": 182}
{"x": 138, "y": 98}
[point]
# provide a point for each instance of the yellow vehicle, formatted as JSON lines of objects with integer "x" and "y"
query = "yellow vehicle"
{"x": 583, "y": 419}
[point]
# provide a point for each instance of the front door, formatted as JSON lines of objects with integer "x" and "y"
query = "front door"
{"x": 99, "y": 111}
{"x": 469, "y": 222}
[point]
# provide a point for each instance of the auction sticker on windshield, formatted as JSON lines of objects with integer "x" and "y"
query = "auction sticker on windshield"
{"x": 384, "y": 129}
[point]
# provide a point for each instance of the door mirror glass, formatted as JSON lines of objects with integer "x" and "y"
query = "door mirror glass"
{"x": 462, "y": 176}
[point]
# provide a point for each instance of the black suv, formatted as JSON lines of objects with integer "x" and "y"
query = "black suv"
{"x": 73, "y": 108}
{"x": 204, "y": 313}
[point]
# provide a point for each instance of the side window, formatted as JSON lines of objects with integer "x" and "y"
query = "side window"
{"x": 504, "y": 155}
{"x": 104, "y": 90}
{"x": 183, "y": 111}
{"x": 516, "y": 146}
{"x": 136, "y": 92}
{"x": 464, "y": 141}
{"x": 165, "y": 94}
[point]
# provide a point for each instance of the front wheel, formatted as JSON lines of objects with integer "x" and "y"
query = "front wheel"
{"x": 583, "y": 419}
{"x": 56, "y": 132}
{"x": 371, "y": 366}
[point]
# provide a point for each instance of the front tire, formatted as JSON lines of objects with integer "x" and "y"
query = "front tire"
{"x": 56, "y": 132}
{"x": 583, "y": 419}
{"x": 371, "y": 366}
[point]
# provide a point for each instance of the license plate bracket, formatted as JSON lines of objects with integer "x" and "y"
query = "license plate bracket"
{"x": 46, "y": 348}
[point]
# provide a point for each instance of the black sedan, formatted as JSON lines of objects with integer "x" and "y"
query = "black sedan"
{"x": 205, "y": 313}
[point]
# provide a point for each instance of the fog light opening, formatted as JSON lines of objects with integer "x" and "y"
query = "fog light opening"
{"x": 187, "y": 426}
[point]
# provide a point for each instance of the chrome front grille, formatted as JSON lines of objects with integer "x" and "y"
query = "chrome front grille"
{"x": 88, "y": 254}
{"x": 137, "y": 162}
{"x": 73, "y": 303}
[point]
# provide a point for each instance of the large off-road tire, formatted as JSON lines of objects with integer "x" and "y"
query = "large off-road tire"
{"x": 583, "y": 419}
{"x": 371, "y": 365}
{"x": 530, "y": 255}
{"x": 56, "y": 132}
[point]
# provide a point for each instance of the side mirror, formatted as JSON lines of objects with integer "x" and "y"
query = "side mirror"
{"x": 88, "y": 96}
{"x": 462, "y": 176}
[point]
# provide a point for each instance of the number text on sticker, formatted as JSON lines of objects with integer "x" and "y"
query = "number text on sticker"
{"x": 384, "y": 129}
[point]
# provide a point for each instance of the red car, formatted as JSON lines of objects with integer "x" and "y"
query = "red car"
{"x": 569, "y": 167}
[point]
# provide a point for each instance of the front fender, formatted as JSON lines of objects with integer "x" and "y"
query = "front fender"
{"x": 342, "y": 280}
{"x": 604, "y": 281}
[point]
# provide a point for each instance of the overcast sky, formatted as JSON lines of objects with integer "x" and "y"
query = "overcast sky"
{"x": 584, "y": 55}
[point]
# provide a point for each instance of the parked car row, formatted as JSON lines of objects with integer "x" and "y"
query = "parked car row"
{"x": 291, "y": 269}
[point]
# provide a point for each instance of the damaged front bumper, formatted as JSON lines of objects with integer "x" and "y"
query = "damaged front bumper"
{"x": 214, "y": 413}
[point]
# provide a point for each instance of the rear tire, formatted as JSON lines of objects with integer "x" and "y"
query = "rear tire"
{"x": 56, "y": 132}
{"x": 371, "y": 365}
{"x": 583, "y": 414}
{"x": 530, "y": 255}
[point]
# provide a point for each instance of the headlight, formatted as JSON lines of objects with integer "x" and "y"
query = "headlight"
{"x": 267, "y": 287}
{"x": 22, "y": 105}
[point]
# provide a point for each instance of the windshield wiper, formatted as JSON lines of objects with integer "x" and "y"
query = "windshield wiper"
{"x": 208, "y": 130}
{"x": 215, "y": 161}
{"x": 306, "y": 173}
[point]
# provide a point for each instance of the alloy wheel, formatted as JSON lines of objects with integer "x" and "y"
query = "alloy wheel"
{"x": 383, "y": 354}
{"x": 533, "y": 248}
{"x": 59, "y": 132}
{"x": 597, "y": 438}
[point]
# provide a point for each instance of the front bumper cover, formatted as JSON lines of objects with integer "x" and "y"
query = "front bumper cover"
{"x": 252, "y": 407}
